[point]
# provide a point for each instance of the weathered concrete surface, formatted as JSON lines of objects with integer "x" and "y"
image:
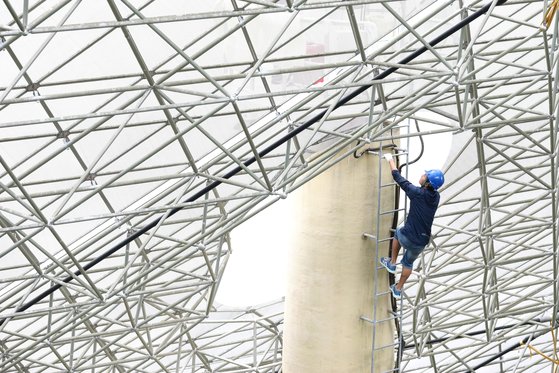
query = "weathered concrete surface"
{"x": 330, "y": 281}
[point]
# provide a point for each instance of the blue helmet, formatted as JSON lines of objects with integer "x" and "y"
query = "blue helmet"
{"x": 435, "y": 177}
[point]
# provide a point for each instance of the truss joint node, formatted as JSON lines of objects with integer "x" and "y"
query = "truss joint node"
{"x": 32, "y": 87}
{"x": 62, "y": 134}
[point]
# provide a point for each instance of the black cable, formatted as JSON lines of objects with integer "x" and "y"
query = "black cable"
{"x": 531, "y": 337}
{"x": 478, "y": 332}
{"x": 397, "y": 189}
{"x": 472, "y": 17}
{"x": 420, "y": 153}
{"x": 392, "y": 277}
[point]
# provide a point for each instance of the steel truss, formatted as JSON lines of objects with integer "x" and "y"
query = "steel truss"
{"x": 113, "y": 114}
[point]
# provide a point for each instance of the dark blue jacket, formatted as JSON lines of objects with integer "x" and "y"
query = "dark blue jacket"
{"x": 423, "y": 205}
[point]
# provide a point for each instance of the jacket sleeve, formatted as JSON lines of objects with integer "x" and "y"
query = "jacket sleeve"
{"x": 411, "y": 190}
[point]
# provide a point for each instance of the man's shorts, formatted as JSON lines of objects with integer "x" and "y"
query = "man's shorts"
{"x": 411, "y": 251}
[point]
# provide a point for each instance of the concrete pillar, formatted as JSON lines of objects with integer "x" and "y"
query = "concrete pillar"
{"x": 330, "y": 277}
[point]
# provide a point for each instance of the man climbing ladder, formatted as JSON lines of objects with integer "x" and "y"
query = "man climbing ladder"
{"x": 415, "y": 233}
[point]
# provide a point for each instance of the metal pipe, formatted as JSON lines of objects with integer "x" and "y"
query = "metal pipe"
{"x": 261, "y": 154}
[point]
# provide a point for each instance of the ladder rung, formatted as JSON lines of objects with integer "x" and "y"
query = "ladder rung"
{"x": 383, "y": 267}
{"x": 391, "y": 211}
{"x": 393, "y": 370}
{"x": 378, "y": 321}
{"x": 385, "y": 239}
{"x": 368, "y": 235}
{"x": 383, "y": 347}
{"x": 367, "y": 319}
{"x": 387, "y": 319}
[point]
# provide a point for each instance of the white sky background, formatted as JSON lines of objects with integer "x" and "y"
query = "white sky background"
{"x": 256, "y": 271}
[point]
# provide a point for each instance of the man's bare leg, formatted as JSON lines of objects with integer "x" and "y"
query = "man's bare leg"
{"x": 406, "y": 272}
{"x": 395, "y": 250}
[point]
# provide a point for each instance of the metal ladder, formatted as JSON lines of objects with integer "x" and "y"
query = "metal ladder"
{"x": 382, "y": 248}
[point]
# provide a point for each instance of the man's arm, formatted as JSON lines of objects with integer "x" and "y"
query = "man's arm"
{"x": 410, "y": 189}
